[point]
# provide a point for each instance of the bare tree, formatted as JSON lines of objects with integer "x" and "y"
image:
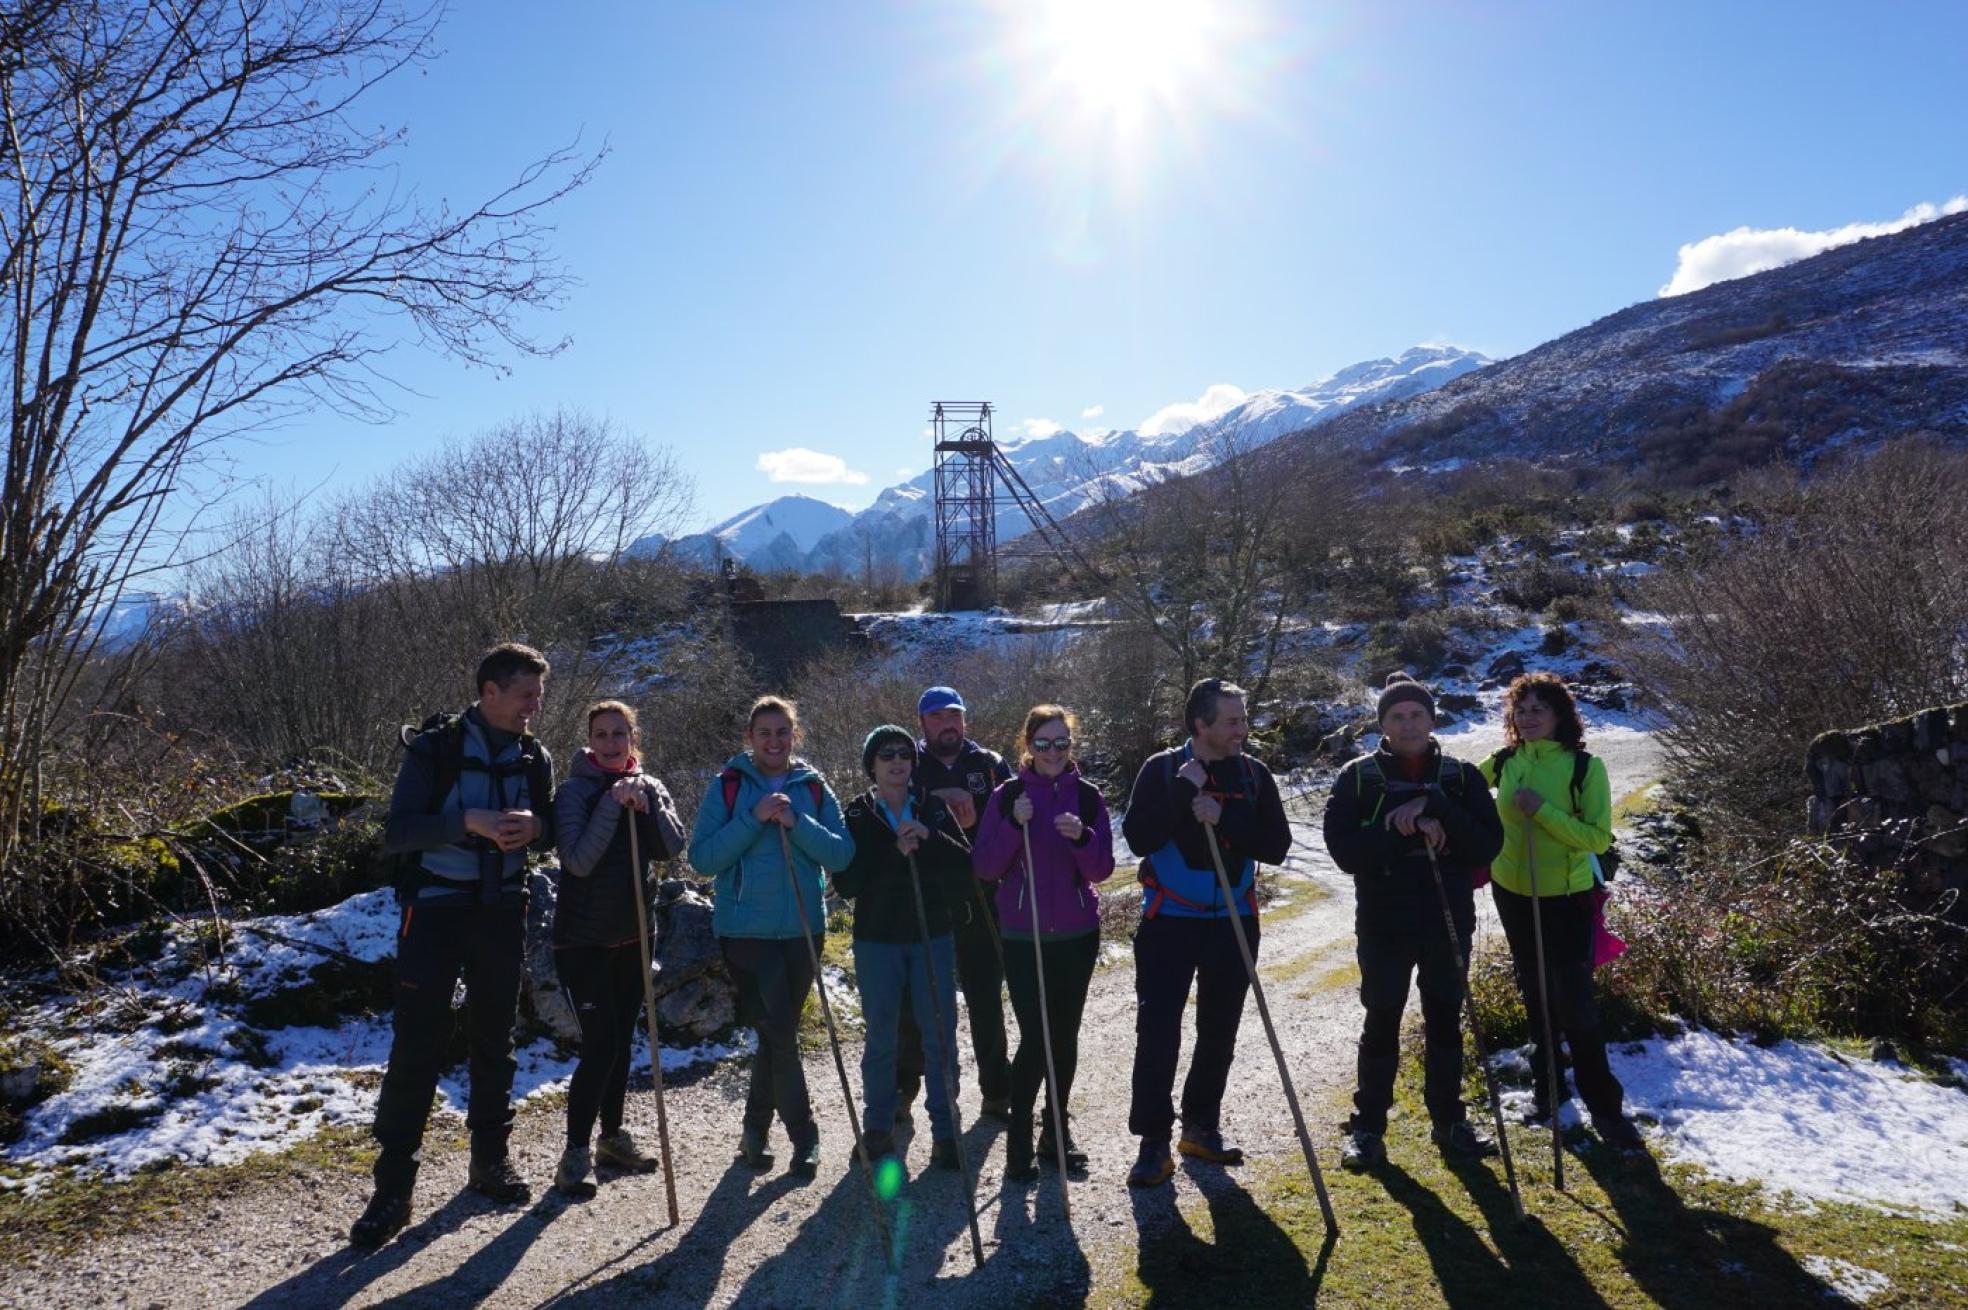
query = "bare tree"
{"x": 507, "y": 536}
{"x": 194, "y": 249}
{"x": 1214, "y": 564}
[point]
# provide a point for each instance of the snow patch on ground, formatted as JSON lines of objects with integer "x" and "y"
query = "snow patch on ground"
{"x": 1795, "y": 1117}
{"x": 163, "y": 1048}
{"x": 1854, "y": 1283}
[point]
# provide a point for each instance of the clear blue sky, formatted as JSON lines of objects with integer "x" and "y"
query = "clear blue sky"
{"x": 819, "y": 217}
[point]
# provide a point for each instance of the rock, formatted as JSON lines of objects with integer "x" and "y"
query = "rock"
{"x": 17, "y": 1085}
{"x": 544, "y": 999}
{"x": 1949, "y": 839}
{"x": 1459, "y": 702}
{"x": 693, "y": 993}
{"x": 1508, "y": 665}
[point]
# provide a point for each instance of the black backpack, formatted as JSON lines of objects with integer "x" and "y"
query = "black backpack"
{"x": 1609, "y": 859}
{"x": 442, "y": 738}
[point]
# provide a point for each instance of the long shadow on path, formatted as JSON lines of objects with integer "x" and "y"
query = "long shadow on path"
{"x": 1533, "y": 1266}
{"x": 836, "y": 1258}
{"x": 1251, "y": 1261}
{"x": 688, "y": 1273}
{"x": 1685, "y": 1256}
{"x": 336, "y": 1278}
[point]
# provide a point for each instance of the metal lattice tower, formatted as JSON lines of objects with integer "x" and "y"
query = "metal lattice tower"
{"x": 973, "y": 481}
{"x": 966, "y": 504}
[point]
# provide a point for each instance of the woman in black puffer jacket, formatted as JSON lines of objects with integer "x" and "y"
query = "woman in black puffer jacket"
{"x": 596, "y": 952}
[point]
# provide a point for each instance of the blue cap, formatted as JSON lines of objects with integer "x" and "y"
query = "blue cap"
{"x": 939, "y": 698}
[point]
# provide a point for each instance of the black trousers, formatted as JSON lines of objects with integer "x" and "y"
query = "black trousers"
{"x": 1170, "y": 953}
{"x": 436, "y": 942}
{"x": 605, "y": 984}
{"x": 1568, "y": 924}
{"x": 1068, "y": 963}
{"x": 1389, "y": 960}
{"x": 982, "y": 981}
{"x": 774, "y": 975}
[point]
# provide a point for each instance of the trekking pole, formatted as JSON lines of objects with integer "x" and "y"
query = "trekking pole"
{"x": 649, "y": 1009}
{"x": 1045, "y": 1030}
{"x": 833, "y": 1040}
{"x": 949, "y": 1063}
{"x": 1271, "y": 1034}
{"x": 1475, "y": 1032}
{"x": 990, "y": 923}
{"x": 1544, "y": 1013}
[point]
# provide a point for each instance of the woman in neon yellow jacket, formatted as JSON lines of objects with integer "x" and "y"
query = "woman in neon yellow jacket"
{"x": 1552, "y": 831}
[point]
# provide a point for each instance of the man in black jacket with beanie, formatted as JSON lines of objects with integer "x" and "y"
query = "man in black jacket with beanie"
{"x": 1386, "y": 811}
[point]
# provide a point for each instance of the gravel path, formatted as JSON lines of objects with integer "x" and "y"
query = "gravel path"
{"x": 769, "y": 1240}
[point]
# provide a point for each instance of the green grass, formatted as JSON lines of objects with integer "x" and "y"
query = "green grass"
{"x": 1625, "y": 1233}
{"x": 1641, "y": 800}
{"x": 69, "y": 1210}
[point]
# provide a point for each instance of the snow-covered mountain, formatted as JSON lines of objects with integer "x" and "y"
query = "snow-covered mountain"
{"x": 776, "y": 535}
{"x": 1850, "y": 347}
{"x": 1067, "y": 469}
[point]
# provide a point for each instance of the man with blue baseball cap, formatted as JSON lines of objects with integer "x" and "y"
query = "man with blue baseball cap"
{"x": 962, "y": 774}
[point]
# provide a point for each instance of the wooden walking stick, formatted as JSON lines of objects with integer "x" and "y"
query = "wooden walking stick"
{"x": 1544, "y": 1012}
{"x": 1045, "y": 1030}
{"x": 1475, "y": 1033}
{"x": 1271, "y": 1034}
{"x": 833, "y": 1040}
{"x": 649, "y": 1009}
{"x": 949, "y": 1061}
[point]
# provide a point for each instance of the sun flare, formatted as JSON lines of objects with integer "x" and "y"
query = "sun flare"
{"x": 1118, "y": 56}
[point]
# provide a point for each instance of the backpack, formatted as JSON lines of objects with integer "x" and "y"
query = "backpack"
{"x": 1448, "y": 776}
{"x": 1157, "y": 891}
{"x": 1608, "y": 861}
{"x": 1089, "y": 802}
{"x": 731, "y": 778}
{"x": 445, "y": 733}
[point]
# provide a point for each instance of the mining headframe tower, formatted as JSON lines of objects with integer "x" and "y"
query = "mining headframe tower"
{"x": 974, "y": 481}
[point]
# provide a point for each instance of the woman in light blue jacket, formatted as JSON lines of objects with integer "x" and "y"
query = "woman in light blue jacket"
{"x": 762, "y": 793}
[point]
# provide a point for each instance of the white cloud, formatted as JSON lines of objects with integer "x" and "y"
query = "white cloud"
{"x": 798, "y": 464}
{"x": 1040, "y": 427}
{"x": 1756, "y": 250}
{"x": 1093, "y": 411}
{"x": 1180, "y": 417}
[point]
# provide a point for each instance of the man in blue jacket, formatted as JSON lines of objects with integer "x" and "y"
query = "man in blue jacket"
{"x": 1206, "y": 789}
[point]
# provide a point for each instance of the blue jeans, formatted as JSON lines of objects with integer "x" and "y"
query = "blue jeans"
{"x": 881, "y": 969}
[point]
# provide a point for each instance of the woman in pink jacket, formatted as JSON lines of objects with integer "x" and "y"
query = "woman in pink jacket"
{"x": 1072, "y": 848}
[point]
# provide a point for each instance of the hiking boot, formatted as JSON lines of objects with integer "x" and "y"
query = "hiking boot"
{"x": 498, "y": 1179}
{"x": 575, "y": 1176}
{"x": 387, "y": 1213}
{"x": 1363, "y": 1151}
{"x": 752, "y": 1149}
{"x": 1019, "y": 1167}
{"x": 1049, "y": 1149}
{"x": 1461, "y": 1141}
{"x": 618, "y": 1150}
{"x": 1618, "y": 1132}
{"x": 996, "y": 1107}
{"x": 879, "y": 1146}
{"x": 806, "y": 1156}
{"x": 1154, "y": 1166}
{"x": 1208, "y": 1144}
{"x": 943, "y": 1154}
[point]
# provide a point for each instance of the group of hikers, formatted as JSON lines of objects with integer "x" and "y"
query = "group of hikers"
{"x": 969, "y": 871}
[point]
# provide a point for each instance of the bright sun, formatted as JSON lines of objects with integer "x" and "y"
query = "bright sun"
{"x": 1121, "y": 56}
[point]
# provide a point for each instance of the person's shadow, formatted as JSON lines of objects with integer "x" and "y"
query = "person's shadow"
{"x": 689, "y": 1272}
{"x": 1249, "y": 1252}
{"x": 1466, "y": 1270}
{"x": 837, "y": 1258}
{"x": 1030, "y": 1231}
{"x": 337, "y": 1277}
{"x": 1692, "y": 1256}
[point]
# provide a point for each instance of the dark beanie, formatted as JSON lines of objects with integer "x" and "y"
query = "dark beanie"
{"x": 873, "y": 743}
{"x": 1400, "y": 687}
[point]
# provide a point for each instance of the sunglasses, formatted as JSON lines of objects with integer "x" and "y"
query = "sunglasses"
{"x": 897, "y": 753}
{"x": 1052, "y": 743}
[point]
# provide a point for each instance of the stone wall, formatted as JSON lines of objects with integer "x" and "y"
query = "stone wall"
{"x": 1897, "y": 793}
